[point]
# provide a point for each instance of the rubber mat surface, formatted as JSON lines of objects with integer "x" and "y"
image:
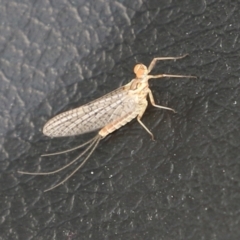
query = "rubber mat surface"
{"x": 58, "y": 55}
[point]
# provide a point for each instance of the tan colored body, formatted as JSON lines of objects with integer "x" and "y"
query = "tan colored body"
{"x": 111, "y": 111}
{"x": 139, "y": 93}
{"x": 107, "y": 113}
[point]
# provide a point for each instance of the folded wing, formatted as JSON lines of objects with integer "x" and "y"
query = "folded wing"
{"x": 92, "y": 116}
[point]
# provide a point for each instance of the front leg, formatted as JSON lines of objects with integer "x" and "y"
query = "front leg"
{"x": 155, "y": 105}
{"x": 152, "y": 64}
{"x": 169, "y": 75}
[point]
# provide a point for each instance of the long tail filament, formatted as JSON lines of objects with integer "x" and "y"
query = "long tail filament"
{"x": 93, "y": 143}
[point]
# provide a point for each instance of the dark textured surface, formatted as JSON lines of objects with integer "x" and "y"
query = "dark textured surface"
{"x": 56, "y": 55}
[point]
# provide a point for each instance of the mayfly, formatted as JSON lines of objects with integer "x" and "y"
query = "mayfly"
{"x": 107, "y": 113}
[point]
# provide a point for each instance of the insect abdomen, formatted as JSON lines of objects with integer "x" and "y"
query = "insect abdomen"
{"x": 113, "y": 126}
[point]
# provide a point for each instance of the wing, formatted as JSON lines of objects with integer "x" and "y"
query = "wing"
{"x": 92, "y": 116}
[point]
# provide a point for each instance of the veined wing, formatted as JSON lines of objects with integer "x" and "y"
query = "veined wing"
{"x": 92, "y": 116}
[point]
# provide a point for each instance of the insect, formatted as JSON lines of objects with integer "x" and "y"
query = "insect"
{"x": 107, "y": 113}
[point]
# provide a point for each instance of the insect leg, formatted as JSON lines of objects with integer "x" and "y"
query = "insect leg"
{"x": 139, "y": 120}
{"x": 158, "y": 106}
{"x": 152, "y": 64}
{"x": 169, "y": 75}
{"x": 143, "y": 108}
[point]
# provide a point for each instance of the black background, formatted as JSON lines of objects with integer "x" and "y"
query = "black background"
{"x": 57, "y": 55}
